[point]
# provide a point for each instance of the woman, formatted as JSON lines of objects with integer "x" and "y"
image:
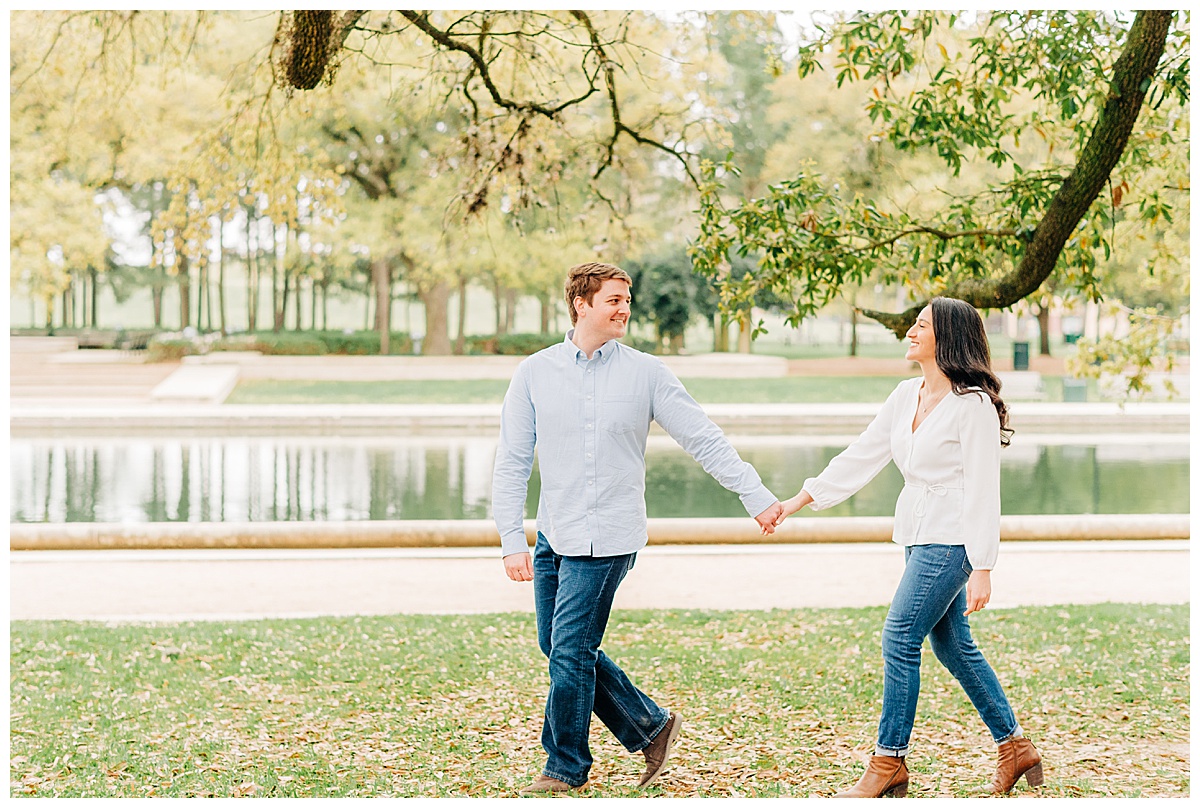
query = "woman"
{"x": 944, "y": 431}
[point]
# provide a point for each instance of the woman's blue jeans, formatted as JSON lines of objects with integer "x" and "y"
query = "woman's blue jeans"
{"x": 573, "y": 596}
{"x": 930, "y": 602}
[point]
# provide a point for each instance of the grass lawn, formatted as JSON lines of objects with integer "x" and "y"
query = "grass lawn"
{"x": 786, "y": 389}
{"x": 814, "y": 389}
{"x": 777, "y": 703}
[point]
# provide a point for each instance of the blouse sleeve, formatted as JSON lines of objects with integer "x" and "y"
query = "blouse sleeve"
{"x": 858, "y": 464}
{"x": 979, "y": 436}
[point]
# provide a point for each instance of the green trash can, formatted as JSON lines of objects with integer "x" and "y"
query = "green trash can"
{"x": 1074, "y": 390}
{"x": 1020, "y": 356}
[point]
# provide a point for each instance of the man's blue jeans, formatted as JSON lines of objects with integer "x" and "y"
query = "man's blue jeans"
{"x": 930, "y": 601}
{"x": 573, "y": 596}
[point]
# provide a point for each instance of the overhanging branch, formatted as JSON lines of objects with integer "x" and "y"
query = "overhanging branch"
{"x": 1132, "y": 75}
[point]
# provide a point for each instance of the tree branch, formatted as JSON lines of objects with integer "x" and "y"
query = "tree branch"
{"x": 421, "y": 21}
{"x": 944, "y": 235}
{"x": 1132, "y": 75}
{"x": 618, "y": 126}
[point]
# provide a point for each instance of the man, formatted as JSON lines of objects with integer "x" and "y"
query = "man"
{"x": 587, "y": 404}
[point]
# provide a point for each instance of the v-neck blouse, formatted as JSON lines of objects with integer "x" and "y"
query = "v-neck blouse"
{"x": 951, "y": 468}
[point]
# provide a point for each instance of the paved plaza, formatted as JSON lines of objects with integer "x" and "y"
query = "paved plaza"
{"x": 175, "y": 585}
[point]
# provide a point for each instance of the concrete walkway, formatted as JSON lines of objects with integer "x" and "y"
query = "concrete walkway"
{"x": 62, "y": 419}
{"x": 180, "y": 585}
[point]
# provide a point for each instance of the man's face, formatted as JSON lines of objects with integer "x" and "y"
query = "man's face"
{"x": 608, "y": 314}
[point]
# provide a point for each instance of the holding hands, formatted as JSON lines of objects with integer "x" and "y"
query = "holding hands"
{"x": 792, "y": 505}
{"x": 773, "y": 516}
{"x": 768, "y": 519}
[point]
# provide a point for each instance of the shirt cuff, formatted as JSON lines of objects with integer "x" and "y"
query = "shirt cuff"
{"x": 758, "y": 500}
{"x": 514, "y": 542}
{"x": 815, "y": 490}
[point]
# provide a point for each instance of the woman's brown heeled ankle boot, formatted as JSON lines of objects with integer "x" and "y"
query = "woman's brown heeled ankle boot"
{"x": 1017, "y": 757}
{"x": 886, "y": 776}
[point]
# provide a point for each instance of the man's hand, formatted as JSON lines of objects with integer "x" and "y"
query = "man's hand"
{"x": 766, "y": 519}
{"x": 979, "y": 591}
{"x": 518, "y": 567}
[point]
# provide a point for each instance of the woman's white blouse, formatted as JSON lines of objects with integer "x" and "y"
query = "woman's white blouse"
{"x": 951, "y": 468}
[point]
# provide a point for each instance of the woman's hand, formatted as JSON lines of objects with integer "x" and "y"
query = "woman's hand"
{"x": 979, "y": 591}
{"x": 790, "y": 506}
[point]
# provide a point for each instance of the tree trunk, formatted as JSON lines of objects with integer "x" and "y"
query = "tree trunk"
{"x": 460, "y": 341}
{"x": 381, "y": 275}
{"x": 274, "y": 281}
{"x": 95, "y": 276}
{"x": 299, "y": 301}
{"x": 185, "y": 293}
{"x": 1043, "y": 318}
{"x": 436, "y": 299}
{"x": 675, "y": 344}
{"x": 547, "y": 311}
{"x": 367, "y": 302}
{"x": 853, "y": 329}
{"x": 284, "y": 297}
{"x": 83, "y": 300}
{"x": 201, "y": 287}
{"x": 50, "y": 314}
{"x": 498, "y": 294}
{"x": 156, "y": 293}
{"x": 251, "y": 275}
{"x": 720, "y": 333}
{"x": 312, "y": 305}
{"x": 510, "y": 309}
{"x": 745, "y": 326}
{"x": 221, "y": 277}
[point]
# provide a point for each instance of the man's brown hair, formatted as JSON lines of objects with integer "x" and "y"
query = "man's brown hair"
{"x": 584, "y": 280}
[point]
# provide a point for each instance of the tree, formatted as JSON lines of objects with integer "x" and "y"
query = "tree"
{"x": 591, "y": 114}
{"x": 56, "y": 230}
{"x": 970, "y": 90}
{"x": 667, "y": 293}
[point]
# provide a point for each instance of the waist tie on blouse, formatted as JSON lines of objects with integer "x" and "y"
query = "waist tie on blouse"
{"x": 926, "y": 490}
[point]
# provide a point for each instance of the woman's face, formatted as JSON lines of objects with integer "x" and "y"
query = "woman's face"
{"x": 921, "y": 343}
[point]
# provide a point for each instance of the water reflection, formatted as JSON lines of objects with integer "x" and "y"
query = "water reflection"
{"x": 306, "y": 479}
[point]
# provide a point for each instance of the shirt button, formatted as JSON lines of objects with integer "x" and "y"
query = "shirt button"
{"x": 589, "y": 426}
{"x": 589, "y": 398}
{"x": 589, "y": 454}
{"x": 591, "y": 511}
{"x": 589, "y": 371}
{"x": 590, "y": 482}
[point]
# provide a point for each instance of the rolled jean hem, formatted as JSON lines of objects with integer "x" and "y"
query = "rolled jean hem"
{"x": 654, "y": 734}
{"x": 886, "y": 752}
{"x": 564, "y": 778}
{"x": 1016, "y": 733}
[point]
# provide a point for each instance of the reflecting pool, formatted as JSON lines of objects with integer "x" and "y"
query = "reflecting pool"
{"x": 306, "y": 478}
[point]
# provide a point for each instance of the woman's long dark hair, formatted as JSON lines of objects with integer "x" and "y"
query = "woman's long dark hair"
{"x": 963, "y": 354}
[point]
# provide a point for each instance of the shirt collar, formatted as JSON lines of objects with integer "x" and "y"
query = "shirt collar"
{"x": 604, "y": 352}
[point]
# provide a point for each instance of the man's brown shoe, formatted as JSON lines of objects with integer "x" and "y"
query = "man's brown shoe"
{"x": 543, "y": 783}
{"x": 660, "y": 749}
{"x": 886, "y": 776}
{"x": 1017, "y": 757}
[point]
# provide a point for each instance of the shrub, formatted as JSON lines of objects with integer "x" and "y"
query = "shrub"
{"x": 524, "y": 344}
{"x": 360, "y": 343}
{"x": 171, "y": 349}
{"x": 289, "y": 344}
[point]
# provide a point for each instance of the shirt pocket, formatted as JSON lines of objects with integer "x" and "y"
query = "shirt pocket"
{"x": 623, "y": 414}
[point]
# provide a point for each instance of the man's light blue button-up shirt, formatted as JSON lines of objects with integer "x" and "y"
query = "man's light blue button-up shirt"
{"x": 588, "y": 419}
